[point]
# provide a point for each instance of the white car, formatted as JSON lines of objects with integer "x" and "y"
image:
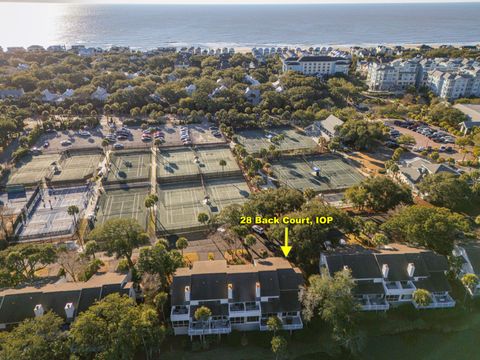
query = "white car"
{"x": 118, "y": 146}
{"x": 258, "y": 229}
{"x": 66, "y": 143}
{"x": 84, "y": 133}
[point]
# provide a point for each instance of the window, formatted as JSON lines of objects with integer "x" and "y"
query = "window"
{"x": 406, "y": 297}
{"x": 392, "y": 297}
{"x": 237, "y": 320}
{"x": 183, "y": 323}
{"x": 251, "y": 319}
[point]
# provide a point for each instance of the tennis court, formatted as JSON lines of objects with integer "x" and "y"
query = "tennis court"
{"x": 182, "y": 162}
{"x": 299, "y": 172}
{"x": 32, "y": 169}
{"x": 255, "y": 140}
{"x": 49, "y": 216}
{"x": 123, "y": 203}
{"x": 180, "y": 204}
{"x": 130, "y": 166}
{"x": 77, "y": 167}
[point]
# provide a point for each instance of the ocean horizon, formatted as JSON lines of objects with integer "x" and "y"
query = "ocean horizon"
{"x": 146, "y": 26}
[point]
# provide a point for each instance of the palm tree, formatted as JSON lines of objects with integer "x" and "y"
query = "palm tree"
{"x": 73, "y": 211}
{"x": 202, "y": 314}
{"x": 181, "y": 244}
{"x": 250, "y": 241}
{"x": 202, "y": 218}
{"x": 222, "y": 163}
{"x": 150, "y": 202}
{"x": 105, "y": 144}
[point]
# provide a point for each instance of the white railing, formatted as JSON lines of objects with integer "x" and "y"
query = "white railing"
{"x": 438, "y": 302}
{"x": 210, "y": 327}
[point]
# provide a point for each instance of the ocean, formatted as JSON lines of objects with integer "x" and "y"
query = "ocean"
{"x": 150, "y": 26}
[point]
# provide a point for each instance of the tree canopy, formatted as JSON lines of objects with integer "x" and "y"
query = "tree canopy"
{"x": 432, "y": 227}
{"x": 120, "y": 237}
{"x": 378, "y": 193}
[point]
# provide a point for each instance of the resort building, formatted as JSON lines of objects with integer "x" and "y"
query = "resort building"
{"x": 316, "y": 65}
{"x": 392, "y": 77}
{"x": 390, "y": 276}
{"x": 66, "y": 299}
{"x": 240, "y": 297}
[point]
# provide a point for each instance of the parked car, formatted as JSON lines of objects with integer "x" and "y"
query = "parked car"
{"x": 258, "y": 229}
{"x": 84, "y": 133}
{"x": 118, "y": 146}
{"x": 217, "y": 134}
{"x": 391, "y": 144}
{"x": 46, "y": 144}
{"x": 66, "y": 143}
{"x": 122, "y": 137}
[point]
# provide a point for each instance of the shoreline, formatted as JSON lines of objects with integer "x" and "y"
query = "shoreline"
{"x": 247, "y": 49}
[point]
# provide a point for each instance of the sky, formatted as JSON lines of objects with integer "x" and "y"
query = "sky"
{"x": 235, "y": 1}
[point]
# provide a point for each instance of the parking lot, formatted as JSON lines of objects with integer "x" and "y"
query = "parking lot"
{"x": 427, "y": 138}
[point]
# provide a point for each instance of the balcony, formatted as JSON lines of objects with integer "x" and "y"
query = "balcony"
{"x": 399, "y": 287}
{"x": 244, "y": 309}
{"x": 179, "y": 313}
{"x": 373, "y": 304}
{"x": 292, "y": 323}
{"x": 210, "y": 327}
{"x": 288, "y": 323}
{"x": 439, "y": 301}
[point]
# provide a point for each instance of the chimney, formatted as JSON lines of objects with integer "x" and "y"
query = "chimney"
{"x": 187, "y": 293}
{"x": 230, "y": 291}
{"x": 69, "y": 310}
{"x": 385, "y": 271}
{"x": 257, "y": 290}
{"x": 38, "y": 310}
{"x": 410, "y": 269}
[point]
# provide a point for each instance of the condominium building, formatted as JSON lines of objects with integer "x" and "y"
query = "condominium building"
{"x": 316, "y": 65}
{"x": 395, "y": 76}
{"x": 390, "y": 276}
{"x": 240, "y": 297}
{"x": 66, "y": 299}
{"x": 455, "y": 83}
{"x": 447, "y": 78}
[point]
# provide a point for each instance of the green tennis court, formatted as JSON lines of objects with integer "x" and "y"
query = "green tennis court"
{"x": 123, "y": 203}
{"x": 182, "y": 162}
{"x": 179, "y": 204}
{"x": 77, "y": 167}
{"x": 31, "y": 169}
{"x": 130, "y": 166}
{"x": 255, "y": 140}
{"x": 334, "y": 173}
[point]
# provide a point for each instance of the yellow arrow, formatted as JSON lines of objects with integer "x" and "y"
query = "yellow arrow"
{"x": 285, "y": 248}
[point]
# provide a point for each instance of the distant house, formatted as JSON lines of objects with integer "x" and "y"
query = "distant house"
{"x": 277, "y": 86}
{"x": 473, "y": 113}
{"x": 413, "y": 171}
{"x": 389, "y": 277}
{"x": 66, "y": 299}
{"x": 50, "y": 97}
{"x": 15, "y": 49}
{"x": 100, "y": 94}
{"x": 469, "y": 255}
{"x": 190, "y": 89}
{"x": 251, "y": 80}
{"x": 11, "y": 93}
{"x": 240, "y": 297}
{"x": 327, "y": 128}
{"x": 253, "y": 95}
{"x": 35, "y": 48}
{"x": 56, "y": 48}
